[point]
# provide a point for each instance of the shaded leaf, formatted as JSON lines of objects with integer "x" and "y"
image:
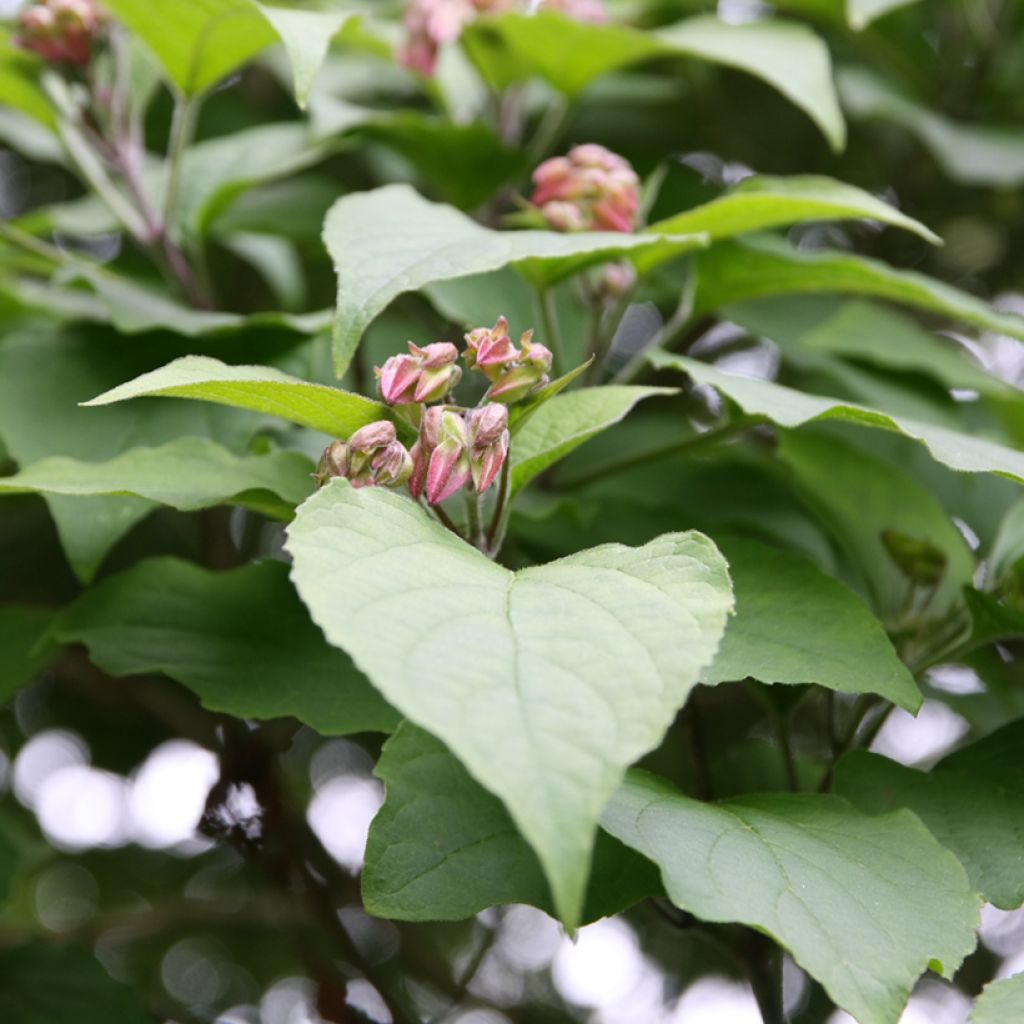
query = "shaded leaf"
{"x": 503, "y": 666}
{"x": 23, "y": 651}
{"x": 1000, "y": 1001}
{"x": 864, "y": 904}
{"x": 241, "y": 640}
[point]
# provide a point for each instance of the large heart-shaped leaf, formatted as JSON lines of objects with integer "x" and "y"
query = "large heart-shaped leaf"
{"x": 392, "y": 240}
{"x": 259, "y": 388}
{"x": 794, "y": 624}
{"x": 571, "y": 54}
{"x": 241, "y": 640}
{"x": 864, "y": 904}
{"x": 546, "y": 683}
{"x": 442, "y": 848}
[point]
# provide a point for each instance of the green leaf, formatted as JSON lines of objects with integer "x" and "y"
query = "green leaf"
{"x": 571, "y": 54}
{"x": 732, "y": 272}
{"x": 864, "y": 904}
{"x": 241, "y": 640}
{"x": 790, "y": 408}
{"x": 391, "y": 241}
{"x": 259, "y": 388}
{"x": 563, "y": 423}
{"x": 442, "y": 848}
{"x": 991, "y": 619}
{"x": 860, "y": 13}
{"x": 978, "y": 817}
{"x": 794, "y": 624}
{"x": 970, "y": 154}
{"x": 52, "y": 983}
{"x": 23, "y": 651}
{"x": 758, "y": 203}
{"x": 187, "y": 474}
{"x": 503, "y": 667}
{"x": 808, "y": 326}
{"x": 1000, "y": 1001}
{"x": 19, "y": 86}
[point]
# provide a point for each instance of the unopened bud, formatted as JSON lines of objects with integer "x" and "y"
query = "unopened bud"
{"x": 424, "y": 375}
{"x": 373, "y": 456}
{"x": 489, "y": 441}
{"x": 489, "y": 349}
{"x": 440, "y": 459}
{"x": 60, "y": 31}
{"x": 333, "y": 462}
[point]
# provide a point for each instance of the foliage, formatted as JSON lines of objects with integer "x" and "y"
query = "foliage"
{"x": 622, "y": 620}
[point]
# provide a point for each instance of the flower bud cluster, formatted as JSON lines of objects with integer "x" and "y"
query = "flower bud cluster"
{"x": 60, "y": 31}
{"x": 431, "y": 23}
{"x": 513, "y": 373}
{"x": 373, "y": 456}
{"x": 590, "y": 189}
{"x": 424, "y": 375}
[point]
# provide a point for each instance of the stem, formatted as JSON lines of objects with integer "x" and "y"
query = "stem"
{"x": 548, "y": 131}
{"x": 788, "y": 761}
{"x": 183, "y": 126}
{"x": 764, "y": 966}
{"x": 549, "y": 321}
{"x": 446, "y": 520}
{"x": 496, "y": 532}
{"x": 34, "y": 245}
{"x": 474, "y": 530}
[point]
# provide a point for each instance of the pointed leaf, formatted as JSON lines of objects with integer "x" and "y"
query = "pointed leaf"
{"x": 565, "y": 422}
{"x": 442, "y": 848}
{"x": 794, "y": 624}
{"x": 732, "y": 272}
{"x": 241, "y": 640}
{"x": 187, "y": 474}
{"x": 391, "y": 241}
{"x": 259, "y": 388}
{"x": 504, "y": 667}
{"x": 864, "y": 904}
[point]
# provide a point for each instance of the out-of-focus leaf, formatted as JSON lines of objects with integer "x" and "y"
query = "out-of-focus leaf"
{"x": 860, "y": 13}
{"x": 571, "y": 54}
{"x": 241, "y": 640}
{"x": 1000, "y": 1001}
{"x": 732, "y": 272}
{"x": 190, "y": 473}
{"x": 864, "y": 904}
{"x": 259, "y": 388}
{"x": 794, "y": 624}
{"x": 392, "y": 240}
{"x": 23, "y": 652}
{"x": 969, "y": 154}
{"x": 19, "y": 85}
{"x": 443, "y": 848}
{"x": 503, "y": 667}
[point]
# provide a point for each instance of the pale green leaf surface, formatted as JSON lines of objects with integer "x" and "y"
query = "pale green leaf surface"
{"x": 443, "y": 848}
{"x": 259, "y": 388}
{"x": 187, "y": 474}
{"x": 546, "y": 683}
{"x": 759, "y": 203}
{"x": 980, "y": 819}
{"x": 564, "y": 422}
{"x": 1000, "y": 1001}
{"x": 570, "y": 55}
{"x": 19, "y": 88}
{"x": 736, "y": 271}
{"x": 790, "y": 408}
{"x": 391, "y": 240}
{"x": 860, "y": 13}
{"x": 241, "y": 640}
{"x": 970, "y": 154}
{"x": 864, "y": 904}
{"x": 794, "y": 624}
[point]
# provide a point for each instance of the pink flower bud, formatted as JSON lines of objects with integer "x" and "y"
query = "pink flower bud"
{"x": 440, "y": 458}
{"x": 485, "y": 425}
{"x": 333, "y": 462}
{"x": 60, "y": 31}
{"x": 489, "y": 349}
{"x": 373, "y": 456}
{"x": 616, "y": 279}
{"x": 424, "y": 375}
{"x": 440, "y": 353}
{"x": 589, "y": 189}
{"x": 489, "y": 441}
{"x": 579, "y": 10}
{"x": 435, "y": 384}
{"x": 398, "y": 378}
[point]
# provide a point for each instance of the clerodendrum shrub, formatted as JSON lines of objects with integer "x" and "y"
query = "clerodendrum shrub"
{"x": 567, "y": 403}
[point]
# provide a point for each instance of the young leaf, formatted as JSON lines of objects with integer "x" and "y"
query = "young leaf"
{"x": 241, "y": 640}
{"x": 442, "y": 848}
{"x": 758, "y": 203}
{"x": 1000, "y": 1001}
{"x": 864, "y": 904}
{"x": 736, "y": 271}
{"x": 259, "y": 388}
{"x": 561, "y": 425}
{"x": 571, "y": 54}
{"x": 504, "y": 667}
{"x": 19, "y": 74}
{"x": 188, "y": 474}
{"x": 794, "y": 624}
{"x": 790, "y": 408}
{"x": 977, "y": 815}
{"x": 391, "y": 241}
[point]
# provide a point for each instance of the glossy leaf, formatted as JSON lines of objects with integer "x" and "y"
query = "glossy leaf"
{"x": 241, "y": 640}
{"x": 794, "y": 624}
{"x": 571, "y": 54}
{"x": 864, "y": 904}
{"x": 442, "y": 848}
{"x": 732, "y": 272}
{"x": 563, "y": 423}
{"x": 259, "y": 388}
{"x": 614, "y": 637}
{"x": 391, "y": 241}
